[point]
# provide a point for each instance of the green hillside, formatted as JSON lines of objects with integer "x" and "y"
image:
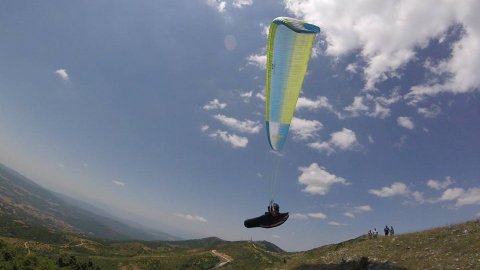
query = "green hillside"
{"x": 450, "y": 247}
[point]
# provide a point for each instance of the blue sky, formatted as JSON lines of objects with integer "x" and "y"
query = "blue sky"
{"x": 155, "y": 111}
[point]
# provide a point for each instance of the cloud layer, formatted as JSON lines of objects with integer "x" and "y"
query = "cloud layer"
{"x": 317, "y": 180}
{"x": 388, "y": 34}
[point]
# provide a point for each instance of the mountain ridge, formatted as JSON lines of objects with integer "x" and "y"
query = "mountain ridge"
{"x": 33, "y": 204}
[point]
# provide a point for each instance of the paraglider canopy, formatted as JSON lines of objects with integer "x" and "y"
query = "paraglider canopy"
{"x": 290, "y": 43}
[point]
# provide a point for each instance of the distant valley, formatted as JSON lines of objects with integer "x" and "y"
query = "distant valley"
{"x": 24, "y": 200}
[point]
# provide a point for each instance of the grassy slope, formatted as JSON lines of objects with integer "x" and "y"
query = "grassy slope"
{"x": 451, "y": 247}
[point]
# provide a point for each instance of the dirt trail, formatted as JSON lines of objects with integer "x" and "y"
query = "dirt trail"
{"x": 26, "y": 247}
{"x": 224, "y": 258}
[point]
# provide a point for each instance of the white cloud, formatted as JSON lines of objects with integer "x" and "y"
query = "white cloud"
{"x": 440, "y": 185}
{"x": 318, "y": 215}
{"x": 320, "y": 102}
{"x": 261, "y": 95}
{"x": 118, "y": 183}
{"x": 431, "y": 112}
{"x": 218, "y": 5}
{"x": 242, "y": 3}
{"x": 246, "y": 126}
{"x": 471, "y": 196}
{"x": 304, "y": 129}
{"x": 337, "y": 224}
{"x": 214, "y": 104}
{"x": 357, "y": 106}
{"x": 362, "y": 208}
{"x": 246, "y": 96}
{"x": 370, "y": 139}
{"x": 380, "y": 111}
{"x": 299, "y": 216}
{"x": 373, "y": 106}
{"x": 396, "y": 188}
{"x": 204, "y": 128}
{"x": 258, "y": 60}
{"x": 405, "y": 122}
{"x": 461, "y": 68}
{"x": 358, "y": 210}
{"x": 344, "y": 139}
{"x": 352, "y": 68}
{"x": 461, "y": 196}
{"x": 381, "y": 31}
{"x": 317, "y": 180}
{"x": 234, "y": 140}
{"x": 322, "y": 147}
{"x": 192, "y": 217}
{"x": 62, "y": 73}
{"x": 452, "y": 194}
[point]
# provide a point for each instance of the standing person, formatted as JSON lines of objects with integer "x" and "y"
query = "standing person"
{"x": 386, "y": 230}
{"x": 370, "y": 234}
{"x": 375, "y": 233}
{"x": 392, "y": 232}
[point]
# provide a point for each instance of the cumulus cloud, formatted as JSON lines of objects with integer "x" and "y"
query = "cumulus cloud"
{"x": 398, "y": 189}
{"x": 246, "y": 126}
{"x": 319, "y": 103}
{"x": 299, "y": 216}
{"x": 395, "y": 189}
{"x": 62, "y": 73}
{"x": 317, "y": 215}
{"x": 438, "y": 185}
{"x": 344, "y": 139}
{"x": 431, "y": 112}
{"x": 219, "y": 5}
{"x": 452, "y": 194}
{"x": 316, "y": 104}
{"x": 118, "y": 183}
{"x": 246, "y": 96}
{"x": 258, "y": 60}
{"x": 381, "y": 31}
{"x": 405, "y": 122}
{"x": 337, "y": 224}
{"x": 192, "y": 217}
{"x": 360, "y": 209}
{"x": 303, "y": 129}
{"x": 372, "y": 106}
{"x": 234, "y": 140}
{"x": 461, "y": 196}
{"x": 214, "y": 104}
{"x": 242, "y": 3}
{"x": 352, "y": 68}
{"x": 357, "y": 107}
{"x": 318, "y": 180}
